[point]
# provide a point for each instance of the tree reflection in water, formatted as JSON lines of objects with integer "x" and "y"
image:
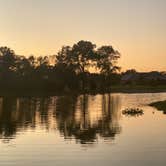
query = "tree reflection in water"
{"x": 83, "y": 118}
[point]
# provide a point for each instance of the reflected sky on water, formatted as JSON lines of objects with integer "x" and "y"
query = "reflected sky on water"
{"x": 79, "y": 130}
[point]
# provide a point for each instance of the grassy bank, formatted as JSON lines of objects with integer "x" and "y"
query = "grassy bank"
{"x": 161, "y": 105}
{"x": 56, "y": 92}
{"x": 138, "y": 89}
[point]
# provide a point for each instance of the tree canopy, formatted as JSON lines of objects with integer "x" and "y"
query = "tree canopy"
{"x": 71, "y": 68}
{"x": 84, "y": 55}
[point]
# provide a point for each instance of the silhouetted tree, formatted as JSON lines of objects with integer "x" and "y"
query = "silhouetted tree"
{"x": 24, "y": 67}
{"x": 7, "y": 59}
{"x": 82, "y": 55}
{"x": 70, "y": 71}
{"x": 79, "y": 57}
{"x": 106, "y": 59}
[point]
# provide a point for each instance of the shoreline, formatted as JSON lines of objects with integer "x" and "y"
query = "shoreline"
{"x": 138, "y": 89}
{"x": 159, "y": 105}
{"x": 113, "y": 89}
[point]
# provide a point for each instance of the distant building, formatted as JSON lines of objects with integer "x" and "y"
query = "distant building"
{"x": 129, "y": 78}
{"x": 136, "y": 78}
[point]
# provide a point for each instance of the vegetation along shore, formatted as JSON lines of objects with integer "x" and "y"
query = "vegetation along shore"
{"x": 81, "y": 68}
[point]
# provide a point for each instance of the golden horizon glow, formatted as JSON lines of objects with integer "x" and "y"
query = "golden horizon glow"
{"x": 41, "y": 27}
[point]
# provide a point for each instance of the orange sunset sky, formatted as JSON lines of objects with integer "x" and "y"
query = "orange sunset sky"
{"x": 137, "y": 28}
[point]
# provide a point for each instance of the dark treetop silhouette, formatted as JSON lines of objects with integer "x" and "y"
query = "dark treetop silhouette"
{"x": 70, "y": 69}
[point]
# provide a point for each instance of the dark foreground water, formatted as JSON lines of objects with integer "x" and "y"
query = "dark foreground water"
{"x": 82, "y": 131}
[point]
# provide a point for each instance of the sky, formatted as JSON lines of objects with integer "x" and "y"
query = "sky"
{"x": 136, "y": 28}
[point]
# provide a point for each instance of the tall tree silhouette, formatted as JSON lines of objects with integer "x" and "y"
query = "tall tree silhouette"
{"x": 78, "y": 57}
{"x": 82, "y": 55}
{"x": 71, "y": 69}
{"x": 106, "y": 59}
{"x": 7, "y": 59}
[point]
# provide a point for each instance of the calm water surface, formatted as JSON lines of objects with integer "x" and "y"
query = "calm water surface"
{"x": 82, "y": 130}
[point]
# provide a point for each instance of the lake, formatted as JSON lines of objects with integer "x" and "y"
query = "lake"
{"x": 82, "y": 130}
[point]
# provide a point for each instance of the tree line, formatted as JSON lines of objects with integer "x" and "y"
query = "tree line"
{"x": 80, "y": 67}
